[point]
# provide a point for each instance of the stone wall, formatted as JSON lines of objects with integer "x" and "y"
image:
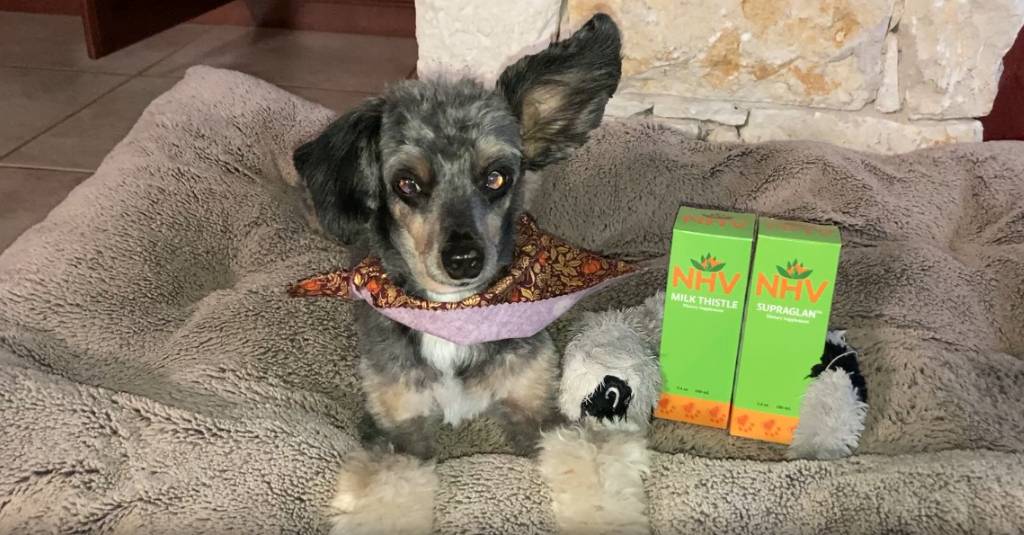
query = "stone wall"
{"x": 479, "y": 38}
{"x": 882, "y": 75}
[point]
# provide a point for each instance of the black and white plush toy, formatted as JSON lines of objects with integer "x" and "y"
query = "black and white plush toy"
{"x": 610, "y": 371}
{"x": 610, "y": 367}
{"x": 834, "y": 406}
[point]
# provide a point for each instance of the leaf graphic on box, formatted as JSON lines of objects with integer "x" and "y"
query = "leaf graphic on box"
{"x": 803, "y": 275}
{"x": 696, "y": 264}
{"x": 717, "y": 267}
{"x": 782, "y": 271}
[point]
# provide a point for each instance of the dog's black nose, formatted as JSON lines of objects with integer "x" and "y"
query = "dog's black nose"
{"x": 462, "y": 257}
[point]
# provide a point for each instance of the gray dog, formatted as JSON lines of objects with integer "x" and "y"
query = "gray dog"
{"x": 431, "y": 177}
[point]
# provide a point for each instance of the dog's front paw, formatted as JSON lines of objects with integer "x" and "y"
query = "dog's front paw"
{"x": 610, "y": 399}
{"x": 523, "y": 442}
{"x": 383, "y": 494}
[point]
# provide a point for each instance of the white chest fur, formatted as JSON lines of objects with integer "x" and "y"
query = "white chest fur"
{"x": 444, "y": 356}
{"x": 452, "y": 397}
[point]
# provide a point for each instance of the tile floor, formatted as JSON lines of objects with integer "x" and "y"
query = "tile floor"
{"x": 60, "y": 112}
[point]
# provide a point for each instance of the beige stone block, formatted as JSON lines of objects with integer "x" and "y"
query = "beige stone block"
{"x": 689, "y": 127}
{"x": 678, "y": 107}
{"x": 823, "y": 53}
{"x": 888, "y": 100}
{"x": 864, "y": 131}
{"x": 479, "y": 39}
{"x": 621, "y": 106}
{"x": 951, "y": 54}
{"x": 721, "y": 133}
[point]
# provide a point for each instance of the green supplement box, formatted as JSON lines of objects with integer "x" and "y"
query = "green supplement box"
{"x": 709, "y": 269}
{"x": 788, "y": 307}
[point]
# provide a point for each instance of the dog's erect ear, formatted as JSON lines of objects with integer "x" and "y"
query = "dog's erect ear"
{"x": 559, "y": 95}
{"x": 341, "y": 168}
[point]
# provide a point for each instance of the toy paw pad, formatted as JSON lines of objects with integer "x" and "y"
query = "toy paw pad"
{"x": 610, "y": 399}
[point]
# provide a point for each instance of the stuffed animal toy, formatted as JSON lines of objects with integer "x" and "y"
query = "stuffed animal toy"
{"x": 610, "y": 367}
{"x": 834, "y": 406}
{"x": 610, "y": 372}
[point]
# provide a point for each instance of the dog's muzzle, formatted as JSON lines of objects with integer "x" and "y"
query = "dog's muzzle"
{"x": 462, "y": 256}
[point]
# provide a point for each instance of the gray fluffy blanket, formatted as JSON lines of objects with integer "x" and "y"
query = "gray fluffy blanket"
{"x": 154, "y": 376}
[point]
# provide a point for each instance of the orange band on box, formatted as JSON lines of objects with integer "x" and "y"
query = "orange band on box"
{"x": 693, "y": 410}
{"x": 762, "y": 425}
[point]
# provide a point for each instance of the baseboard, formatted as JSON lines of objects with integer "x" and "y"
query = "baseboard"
{"x": 378, "y": 17}
{"x": 50, "y": 7}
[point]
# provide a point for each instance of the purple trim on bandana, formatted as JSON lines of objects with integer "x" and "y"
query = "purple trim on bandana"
{"x": 466, "y": 326}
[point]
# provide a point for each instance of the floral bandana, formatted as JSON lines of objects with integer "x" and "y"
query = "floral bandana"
{"x": 545, "y": 279}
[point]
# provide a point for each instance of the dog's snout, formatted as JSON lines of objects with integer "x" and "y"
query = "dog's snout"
{"x": 462, "y": 256}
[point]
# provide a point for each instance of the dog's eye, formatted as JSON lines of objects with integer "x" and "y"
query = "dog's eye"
{"x": 495, "y": 180}
{"x": 407, "y": 186}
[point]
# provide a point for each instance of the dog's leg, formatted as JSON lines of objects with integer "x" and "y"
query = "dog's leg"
{"x": 404, "y": 413}
{"x": 383, "y": 493}
{"x": 525, "y": 395}
{"x": 522, "y": 427}
{"x": 417, "y": 437}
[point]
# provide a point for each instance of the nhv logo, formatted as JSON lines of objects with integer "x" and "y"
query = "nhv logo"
{"x": 801, "y": 285}
{"x": 705, "y": 272}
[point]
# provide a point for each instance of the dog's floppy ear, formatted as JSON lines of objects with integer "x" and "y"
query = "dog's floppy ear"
{"x": 341, "y": 168}
{"x": 559, "y": 94}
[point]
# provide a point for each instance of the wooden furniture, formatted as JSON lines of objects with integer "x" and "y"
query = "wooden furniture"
{"x": 1006, "y": 121}
{"x": 114, "y": 24}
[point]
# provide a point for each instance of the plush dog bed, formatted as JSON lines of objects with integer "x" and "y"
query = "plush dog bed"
{"x": 155, "y": 376}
